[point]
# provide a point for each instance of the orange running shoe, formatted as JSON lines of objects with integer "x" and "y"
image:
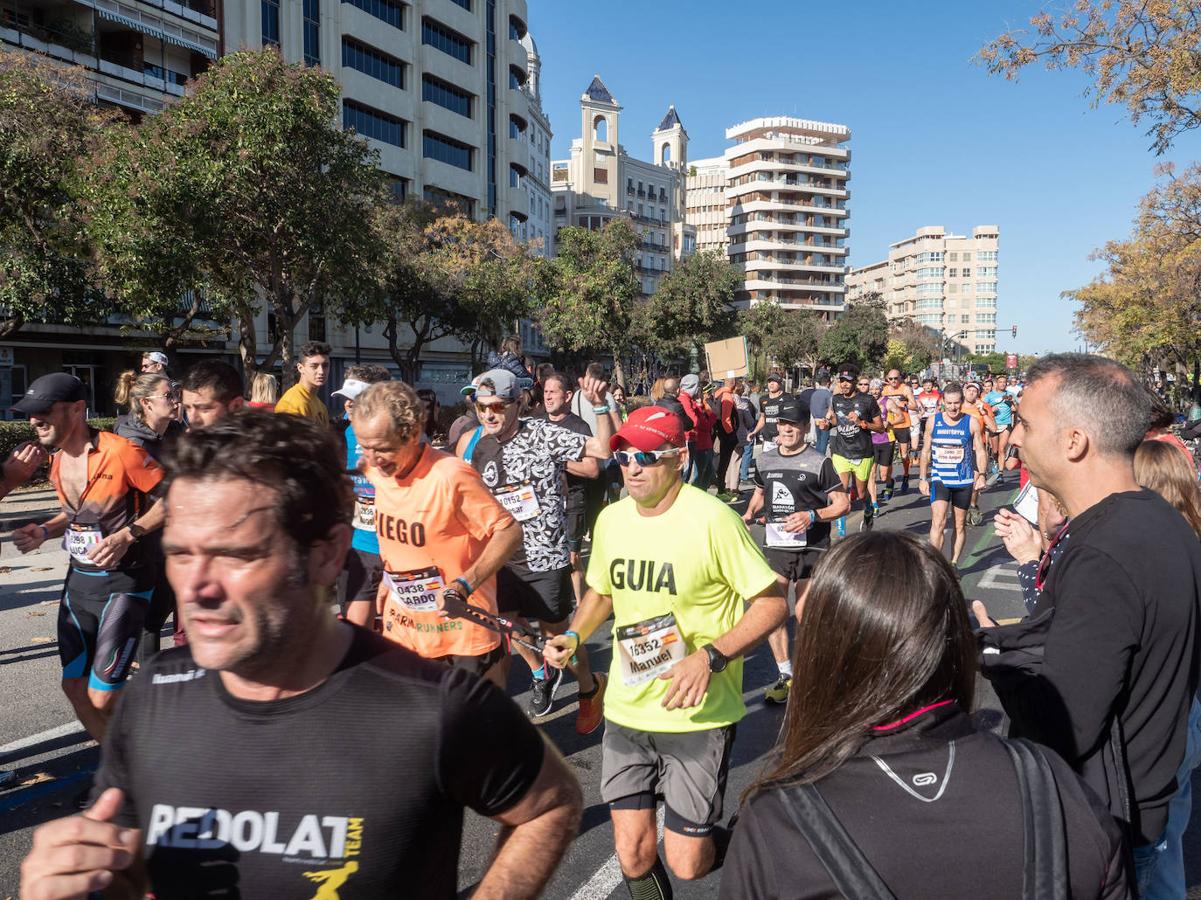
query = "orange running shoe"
{"x": 592, "y": 709}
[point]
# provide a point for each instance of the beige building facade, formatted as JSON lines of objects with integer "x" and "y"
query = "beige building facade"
{"x": 944, "y": 281}
{"x": 705, "y": 204}
{"x": 601, "y": 181}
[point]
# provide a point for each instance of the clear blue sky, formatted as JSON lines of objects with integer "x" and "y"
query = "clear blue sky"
{"x": 935, "y": 139}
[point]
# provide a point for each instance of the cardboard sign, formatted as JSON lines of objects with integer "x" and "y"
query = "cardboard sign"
{"x": 728, "y": 359}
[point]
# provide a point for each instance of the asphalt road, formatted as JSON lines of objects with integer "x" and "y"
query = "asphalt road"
{"x": 53, "y": 760}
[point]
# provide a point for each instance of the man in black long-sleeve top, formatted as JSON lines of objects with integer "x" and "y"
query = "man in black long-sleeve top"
{"x": 1126, "y": 592}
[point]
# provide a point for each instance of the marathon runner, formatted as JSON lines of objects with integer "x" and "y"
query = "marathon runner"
{"x": 853, "y": 416}
{"x": 983, "y": 414}
{"x": 1002, "y": 403}
{"x": 676, "y": 568}
{"x": 954, "y": 458}
{"x": 103, "y": 483}
{"x": 272, "y": 690}
{"x": 769, "y": 411}
{"x": 364, "y": 571}
{"x": 798, "y": 494}
{"x": 929, "y": 399}
{"x": 523, "y": 463}
{"x": 900, "y": 422}
{"x": 210, "y": 390}
{"x": 883, "y": 448}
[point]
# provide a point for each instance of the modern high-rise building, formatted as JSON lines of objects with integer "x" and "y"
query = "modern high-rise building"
{"x": 944, "y": 281}
{"x": 786, "y": 216}
{"x": 602, "y": 181}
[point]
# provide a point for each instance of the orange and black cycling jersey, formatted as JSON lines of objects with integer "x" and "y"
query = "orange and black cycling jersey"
{"x": 120, "y": 476}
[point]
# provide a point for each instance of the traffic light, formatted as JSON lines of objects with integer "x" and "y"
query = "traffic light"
{"x": 1014, "y": 329}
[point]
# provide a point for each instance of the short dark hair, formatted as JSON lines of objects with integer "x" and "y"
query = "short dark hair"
{"x": 312, "y": 348}
{"x": 294, "y": 457}
{"x": 1098, "y": 395}
{"x": 219, "y": 377}
{"x": 595, "y": 370}
{"x": 954, "y": 387}
{"x": 368, "y": 373}
{"x": 564, "y": 381}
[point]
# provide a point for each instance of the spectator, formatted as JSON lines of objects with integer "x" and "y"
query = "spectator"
{"x": 304, "y": 397}
{"x": 1120, "y": 652}
{"x": 210, "y": 391}
{"x": 429, "y": 424}
{"x": 469, "y": 420}
{"x": 883, "y": 687}
{"x": 509, "y": 358}
{"x": 619, "y": 399}
{"x": 264, "y": 391}
{"x": 1160, "y": 429}
{"x": 746, "y": 415}
{"x": 154, "y": 362}
{"x": 727, "y": 436}
{"x": 819, "y": 409}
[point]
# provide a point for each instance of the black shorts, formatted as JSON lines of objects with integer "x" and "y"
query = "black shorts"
{"x": 547, "y": 597}
{"x": 364, "y": 572}
{"x": 884, "y": 453}
{"x": 476, "y": 665}
{"x": 903, "y": 435}
{"x": 794, "y": 565}
{"x": 958, "y": 497}
{"x": 576, "y": 527}
{"x": 100, "y": 619}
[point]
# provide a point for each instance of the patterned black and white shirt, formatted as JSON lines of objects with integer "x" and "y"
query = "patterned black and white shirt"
{"x": 534, "y": 459}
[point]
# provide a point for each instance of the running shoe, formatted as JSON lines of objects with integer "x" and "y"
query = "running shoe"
{"x": 840, "y": 526}
{"x": 885, "y": 495}
{"x": 993, "y": 478}
{"x": 727, "y": 496}
{"x": 905, "y": 485}
{"x": 778, "y": 692}
{"x": 542, "y": 692}
{"x": 974, "y": 516}
{"x": 876, "y": 511}
{"x": 868, "y": 519}
{"x": 592, "y": 707}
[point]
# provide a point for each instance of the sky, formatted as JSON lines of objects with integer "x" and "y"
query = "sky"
{"x": 935, "y": 139}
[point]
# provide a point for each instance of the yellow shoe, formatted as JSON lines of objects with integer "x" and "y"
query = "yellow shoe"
{"x": 778, "y": 692}
{"x": 592, "y": 709}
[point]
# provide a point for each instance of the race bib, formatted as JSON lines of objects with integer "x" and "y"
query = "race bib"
{"x": 780, "y": 539}
{"x": 417, "y": 591}
{"x": 647, "y": 649}
{"x": 520, "y": 500}
{"x": 948, "y": 454}
{"x": 1026, "y": 504}
{"x": 79, "y": 539}
{"x": 769, "y": 445}
{"x": 364, "y": 514}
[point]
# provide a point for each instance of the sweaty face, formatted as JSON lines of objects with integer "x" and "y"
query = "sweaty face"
{"x": 846, "y": 388}
{"x": 789, "y": 435}
{"x": 244, "y": 597}
{"x": 52, "y": 427}
{"x": 313, "y": 371}
{"x": 382, "y": 449}
{"x": 554, "y": 398}
{"x": 971, "y": 393}
{"x": 650, "y": 484}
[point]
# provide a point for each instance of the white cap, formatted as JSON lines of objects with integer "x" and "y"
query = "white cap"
{"x": 156, "y": 356}
{"x": 351, "y": 388}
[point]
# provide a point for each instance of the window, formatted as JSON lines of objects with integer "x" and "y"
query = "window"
{"x": 390, "y": 11}
{"x": 270, "y": 9}
{"x": 312, "y": 32}
{"x": 965, "y": 319}
{"x": 372, "y": 62}
{"x": 442, "y": 38}
{"x": 372, "y": 123}
{"x": 466, "y": 4}
{"x": 435, "y": 90}
{"x": 447, "y": 150}
{"x": 166, "y": 75}
{"x": 953, "y": 257}
{"x": 514, "y": 178}
{"x": 987, "y": 272}
{"x": 987, "y": 256}
{"x": 600, "y": 176}
{"x": 515, "y": 78}
{"x": 967, "y": 273}
{"x": 986, "y": 287}
{"x": 987, "y": 318}
{"x": 967, "y": 288}
{"x": 953, "y": 273}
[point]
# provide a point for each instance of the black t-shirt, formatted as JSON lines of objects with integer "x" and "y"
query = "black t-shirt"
{"x": 358, "y": 785}
{"x": 769, "y": 408}
{"x": 577, "y": 486}
{"x": 850, "y": 440}
{"x": 917, "y": 846}
{"x": 796, "y": 483}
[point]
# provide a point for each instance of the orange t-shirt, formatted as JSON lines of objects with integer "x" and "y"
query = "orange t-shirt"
{"x": 982, "y": 412}
{"x": 432, "y": 525}
{"x": 898, "y": 413}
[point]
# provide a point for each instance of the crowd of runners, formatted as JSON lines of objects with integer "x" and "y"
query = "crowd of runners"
{"x": 349, "y": 591}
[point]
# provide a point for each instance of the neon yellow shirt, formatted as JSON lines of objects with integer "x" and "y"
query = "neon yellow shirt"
{"x": 299, "y": 402}
{"x": 696, "y": 561}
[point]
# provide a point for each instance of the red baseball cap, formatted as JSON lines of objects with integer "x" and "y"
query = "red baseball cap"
{"x": 648, "y": 428}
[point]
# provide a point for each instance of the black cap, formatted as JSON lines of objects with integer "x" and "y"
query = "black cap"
{"x": 792, "y": 411}
{"x": 779, "y": 379}
{"x": 848, "y": 373}
{"x": 58, "y": 387}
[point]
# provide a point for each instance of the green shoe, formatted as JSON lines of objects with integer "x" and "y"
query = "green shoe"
{"x": 778, "y": 692}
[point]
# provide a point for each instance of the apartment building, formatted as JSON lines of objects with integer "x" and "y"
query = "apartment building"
{"x": 944, "y": 281}
{"x": 705, "y": 206}
{"x": 602, "y": 181}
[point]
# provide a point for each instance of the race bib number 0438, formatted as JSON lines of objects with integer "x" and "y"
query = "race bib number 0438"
{"x": 416, "y": 591}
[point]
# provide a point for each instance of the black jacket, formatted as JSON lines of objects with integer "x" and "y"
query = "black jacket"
{"x": 966, "y": 843}
{"x": 671, "y": 404}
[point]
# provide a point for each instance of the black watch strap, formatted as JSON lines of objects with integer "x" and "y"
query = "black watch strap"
{"x": 717, "y": 660}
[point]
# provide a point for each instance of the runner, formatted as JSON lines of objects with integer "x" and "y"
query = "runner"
{"x": 523, "y": 462}
{"x": 437, "y": 527}
{"x": 211, "y": 390}
{"x": 675, "y": 568}
{"x": 304, "y": 397}
{"x": 769, "y": 411}
{"x": 1002, "y": 403}
{"x": 103, "y": 483}
{"x": 983, "y": 414}
{"x": 883, "y": 448}
{"x": 900, "y": 422}
{"x": 799, "y": 494}
{"x": 955, "y": 457}
{"x": 364, "y": 570}
{"x": 853, "y": 415}
{"x": 273, "y": 690}
{"x": 929, "y": 399}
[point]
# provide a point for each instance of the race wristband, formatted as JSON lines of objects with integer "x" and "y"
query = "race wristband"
{"x": 466, "y": 585}
{"x": 577, "y": 639}
{"x": 812, "y": 517}
{"x": 600, "y": 410}
{"x": 45, "y": 533}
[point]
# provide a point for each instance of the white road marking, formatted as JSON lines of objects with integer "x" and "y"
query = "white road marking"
{"x": 1001, "y": 577}
{"x": 608, "y": 876}
{"x": 69, "y": 728}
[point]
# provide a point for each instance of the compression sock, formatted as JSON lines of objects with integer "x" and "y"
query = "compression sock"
{"x": 785, "y": 667}
{"x": 584, "y": 695}
{"x": 540, "y": 673}
{"x": 654, "y": 885}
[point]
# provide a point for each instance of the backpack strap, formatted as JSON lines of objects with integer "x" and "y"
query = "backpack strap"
{"x": 475, "y": 439}
{"x": 1046, "y": 873}
{"x": 838, "y": 853}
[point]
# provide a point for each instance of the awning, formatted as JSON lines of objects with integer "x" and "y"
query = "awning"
{"x": 138, "y": 25}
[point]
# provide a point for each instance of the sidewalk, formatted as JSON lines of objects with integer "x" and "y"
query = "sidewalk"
{"x": 32, "y": 505}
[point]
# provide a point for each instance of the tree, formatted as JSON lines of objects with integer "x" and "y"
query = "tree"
{"x": 859, "y": 336}
{"x": 261, "y": 198}
{"x": 921, "y": 345}
{"x": 692, "y": 306}
{"x": 1137, "y": 53}
{"x": 589, "y": 292}
{"x": 449, "y": 276}
{"x": 47, "y": 119}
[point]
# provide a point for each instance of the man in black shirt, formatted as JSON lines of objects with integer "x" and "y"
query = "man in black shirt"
{"x": 320, "y": 758}
{"x": 1120, "y": 659}
{"x": 769, "y": 412}
{"x": 853, "y": 416}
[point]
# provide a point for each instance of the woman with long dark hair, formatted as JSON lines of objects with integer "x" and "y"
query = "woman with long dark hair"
{"x": 877, "y": 733}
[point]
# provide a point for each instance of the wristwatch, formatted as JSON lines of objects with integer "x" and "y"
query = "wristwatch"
{"x": 717, "y": 660}
{"x": 136, "y": 531}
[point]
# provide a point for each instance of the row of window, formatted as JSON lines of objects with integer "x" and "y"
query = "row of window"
{"x": 447, "y": 150}
{"x": 373, "y": 123}
{"x": 372, "y": 62}
{"x": 312, "y": 32}
{"x": 450, "y": 42}
{"x": 390, "y": 11}
{"x": 446, "y": 95}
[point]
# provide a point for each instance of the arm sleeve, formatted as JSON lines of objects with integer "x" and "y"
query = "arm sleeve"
{"x": 114, "y": 770}
{"x": 489, "y": 754}
{"x": 477, "y": 510}
{"x": 739, "y": 559}
{"x": 141, "y": 471}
